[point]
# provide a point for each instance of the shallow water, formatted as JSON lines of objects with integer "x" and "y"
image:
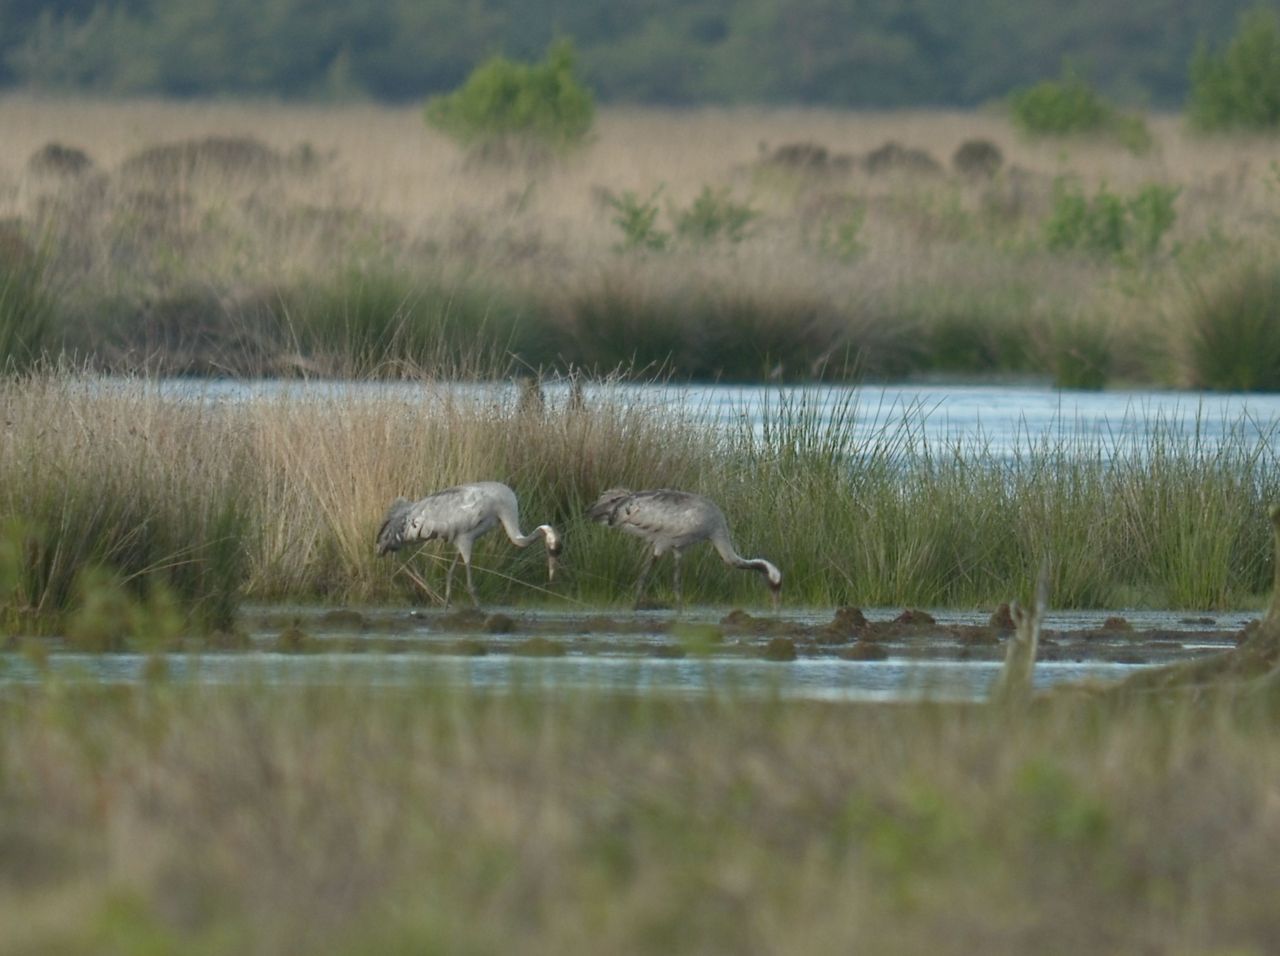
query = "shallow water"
{"x": 952, "y": 657}
{"x": 1001, "y": 420}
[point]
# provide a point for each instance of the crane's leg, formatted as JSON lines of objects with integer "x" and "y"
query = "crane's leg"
{"x": 448, "y": 579}
{"x": 644, "y": 576}
{"x": 464, "y": 549}
{"x": 675, "y": 577}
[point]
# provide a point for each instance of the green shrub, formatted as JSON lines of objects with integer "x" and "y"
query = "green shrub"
{"x": 506, "y": 106}
{"x": 714, "y": 214}
{"x": 1108, "y": 224}
{"x": 1060, "y": 107}
{"x": 637, "y": 218}
{"x": 1152, "y": 215}
{"x": 1239, "y": 88}
{"x": 1070, "y": 107}
{"x": 1233, "y": 333}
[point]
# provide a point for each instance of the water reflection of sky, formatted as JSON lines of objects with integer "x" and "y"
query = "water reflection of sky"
{"x": 997, "y": 419}
{"x": 803, "y": 679}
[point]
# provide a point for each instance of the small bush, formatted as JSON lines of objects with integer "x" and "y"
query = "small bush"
{"x": 637, "y": 218}
{"x": 1233, "y": 333}
{"x": 1109, "y": 225}
{"x": 1239, "y": 88}
{"x": 1070, "y": 107}
{"x": 977, "y": 157}
{"x": 506, "y": 105}
{"x": 713, "y": 215}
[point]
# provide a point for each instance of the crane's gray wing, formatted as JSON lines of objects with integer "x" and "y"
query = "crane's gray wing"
{"x": 466, "y": 509}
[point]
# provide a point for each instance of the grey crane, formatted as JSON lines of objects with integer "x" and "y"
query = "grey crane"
{"x": 671, "y": 521}
{"x": 460, "y": 515}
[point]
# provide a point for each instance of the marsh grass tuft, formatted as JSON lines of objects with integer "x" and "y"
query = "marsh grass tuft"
{"x": 1233, "y": 328}
{"x": 278, "y": 495}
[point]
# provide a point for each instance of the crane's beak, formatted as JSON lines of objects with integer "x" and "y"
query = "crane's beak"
{"x": 551, "y": 567}
{"x": 775, "y": 596}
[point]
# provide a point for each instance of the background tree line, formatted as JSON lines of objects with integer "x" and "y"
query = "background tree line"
{"x": 848, "y": 53}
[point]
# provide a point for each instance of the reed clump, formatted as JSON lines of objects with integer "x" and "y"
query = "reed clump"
{"x": 276, "y": 493}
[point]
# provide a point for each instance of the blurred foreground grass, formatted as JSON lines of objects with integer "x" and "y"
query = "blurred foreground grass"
{"x": 252, "y": 819}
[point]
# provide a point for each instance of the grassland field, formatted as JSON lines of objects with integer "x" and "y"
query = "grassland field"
{"x": 216, "y": 238}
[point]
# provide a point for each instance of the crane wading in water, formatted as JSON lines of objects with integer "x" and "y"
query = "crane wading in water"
{"x": 671, "y": 521}
{"x": 461, "y": 515}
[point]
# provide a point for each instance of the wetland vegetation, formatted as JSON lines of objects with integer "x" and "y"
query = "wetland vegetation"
{"x": 718, "y": 245}
{"x": 354, "y": 819}
{"x": 148, "y": 239}
{"x": 116, "y": 494}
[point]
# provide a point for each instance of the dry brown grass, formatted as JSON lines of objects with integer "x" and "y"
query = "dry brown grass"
{"x": 389, "y": 189}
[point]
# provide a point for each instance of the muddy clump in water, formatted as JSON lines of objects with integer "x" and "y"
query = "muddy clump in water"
{"x": 499, "y": 624}
{"x": 668, "y": 652}
{"x": 1002, "y": 619}
{"x": 848, "y": 624}
{"x": 470, "y": 647}
{"x": 294, "y": 640}
{"x": 1116, "y": 624}
{"x": 780, "y": 649}
{"x": 913, "y": 618}
{"x": 539, "y": 647}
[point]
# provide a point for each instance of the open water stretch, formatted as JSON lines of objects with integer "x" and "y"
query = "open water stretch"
{"x": 997, "y": 420}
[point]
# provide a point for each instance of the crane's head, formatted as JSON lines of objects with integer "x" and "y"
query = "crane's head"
{"x": 391, "y": 534}
{"x": 774, "y": 577}
{"x": 555, "y": 544}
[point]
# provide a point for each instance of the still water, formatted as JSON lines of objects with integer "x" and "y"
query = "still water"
{"x": 998, "y": 420}
{"x": 810, "y": 679}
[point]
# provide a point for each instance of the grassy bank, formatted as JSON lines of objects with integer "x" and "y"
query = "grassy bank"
{"x": 343, "y": 820}
{"x": 197, "y": 502}
{"x": 206, "y": 239}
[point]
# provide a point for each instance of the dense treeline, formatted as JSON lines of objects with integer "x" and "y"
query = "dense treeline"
{"x": 861, "y": 53}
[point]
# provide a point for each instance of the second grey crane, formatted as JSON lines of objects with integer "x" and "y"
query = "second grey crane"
{"x": 460, "y": 515}
{"x": 671, "y": 521}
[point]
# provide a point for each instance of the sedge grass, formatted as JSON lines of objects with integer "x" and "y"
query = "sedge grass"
{"x": 344, "y": 819}
{"x": 277, "y": 496}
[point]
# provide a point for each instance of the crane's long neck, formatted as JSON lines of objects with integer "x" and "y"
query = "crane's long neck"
{"x": 724, "y": 545}
{"x": 511, "y": 525}
{"x": 544, "y": 531}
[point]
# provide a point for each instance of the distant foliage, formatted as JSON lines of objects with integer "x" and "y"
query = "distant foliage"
{"x": 714, "y": 214}
{"x": 1108, "y": 224}
{"x": 506, "y": 105}
{"x": 637, "y": 218}
{"x": 1240, "y": 87}
{"x": 1070, "y": 107}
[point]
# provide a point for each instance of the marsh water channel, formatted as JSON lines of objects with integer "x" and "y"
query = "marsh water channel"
{"x": 815, "y": 653}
